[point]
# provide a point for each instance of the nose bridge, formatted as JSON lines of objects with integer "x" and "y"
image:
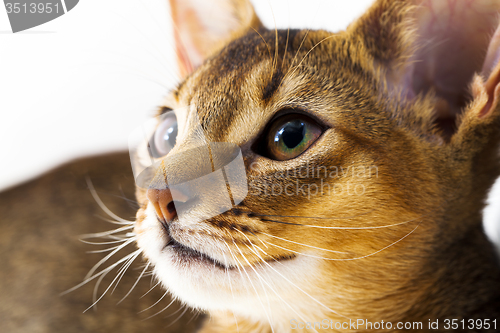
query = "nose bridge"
{"x": 198, "y": 183}
{"x": 182, "y": 166}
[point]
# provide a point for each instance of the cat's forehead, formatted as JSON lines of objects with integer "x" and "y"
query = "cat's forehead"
{"x": 262, "y": 72}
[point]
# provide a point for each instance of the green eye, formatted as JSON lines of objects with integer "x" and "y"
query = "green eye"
{"x": 290, "y": 136}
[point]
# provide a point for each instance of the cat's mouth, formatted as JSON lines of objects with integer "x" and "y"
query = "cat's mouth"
{"x": 186, "y": 255}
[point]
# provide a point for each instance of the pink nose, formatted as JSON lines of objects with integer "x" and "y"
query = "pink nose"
{"x": 164, "y": 203}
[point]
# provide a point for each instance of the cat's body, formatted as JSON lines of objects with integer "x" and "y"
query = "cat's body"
{"x": 41, "y": 255}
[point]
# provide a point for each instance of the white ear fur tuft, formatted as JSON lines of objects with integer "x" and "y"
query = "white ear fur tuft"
{"x": 491, "y": 72}
{"x": 493, "y": 54}
{"x": 202, "y": 27}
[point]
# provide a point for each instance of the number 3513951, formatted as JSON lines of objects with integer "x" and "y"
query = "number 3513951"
{"x": 32, "y": 8}
{"x": 472, "y": 324}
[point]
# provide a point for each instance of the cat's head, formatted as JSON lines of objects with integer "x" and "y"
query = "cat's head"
{"x": 362, "y": 150}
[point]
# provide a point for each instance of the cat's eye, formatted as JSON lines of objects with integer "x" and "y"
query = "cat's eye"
{"x": 165, "y": 136}
{"x": 290, "y": 135}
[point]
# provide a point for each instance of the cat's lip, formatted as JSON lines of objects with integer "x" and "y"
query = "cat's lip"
{"x": 187, "y": 255}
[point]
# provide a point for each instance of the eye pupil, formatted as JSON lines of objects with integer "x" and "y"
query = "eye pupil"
{"x": 290, "y": 135}
{"x": 293, "y": 133}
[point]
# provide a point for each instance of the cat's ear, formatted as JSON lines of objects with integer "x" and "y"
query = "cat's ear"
{"x": 203, "y": 27}
{"x": 435, "y": 47}
{"x": 490, "y": 83}
{"x": 481, "y": 117}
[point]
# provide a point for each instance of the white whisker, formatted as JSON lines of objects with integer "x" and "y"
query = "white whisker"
{"x": 345, "y": 259}
{"x": 132, "y": 257}
{"x": 314, "y": 299}
{"x": 101, "y": 204}
{"x": 104, "y": 243}
{"x": 263, "y": 280}
{"x": 297, "y": 243}
{"x": 103, "y": 260}
{"x": 256, "y": 292}
{"x": 230, "y": 286}
{"x": 111, "y": 248}
{"x": 158, "y": 301}
{"x": 104, "y": 271}
{"x": 150, "y": 289}
{"x": 341, "y": 228}
{"x": 122, "y": 272}
{"x": 169, "y": 304}
{"x": 136, "y": 282}
{"x": 106, "y": 233}
{"x": 179, "y": 317}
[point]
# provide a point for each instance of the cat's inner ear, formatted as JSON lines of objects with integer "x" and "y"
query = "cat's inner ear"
{"x": 433, "y": 46}
{"x": 491, "y": 75}
{"x": 203, "y": 27}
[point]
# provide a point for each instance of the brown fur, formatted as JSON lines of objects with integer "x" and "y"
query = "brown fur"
{"x": 41, "y": 255}
{"x": 435, "y": 261}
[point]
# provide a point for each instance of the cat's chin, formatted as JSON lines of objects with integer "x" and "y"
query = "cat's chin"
{"x": 204, "y": 286}
{"x": 208, "y": 284}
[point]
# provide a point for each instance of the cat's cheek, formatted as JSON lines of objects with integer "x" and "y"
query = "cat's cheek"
{"x": 241, "y": 291}
{"x": 206, "y": 287}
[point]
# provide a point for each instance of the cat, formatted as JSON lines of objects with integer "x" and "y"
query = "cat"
{"x": 367, "y": 153}
{"x": 406, "y": 247}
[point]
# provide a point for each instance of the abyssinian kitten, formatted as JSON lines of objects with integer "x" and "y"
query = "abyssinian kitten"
{"x": 396, "y": 123}
{"x": 368, "y": 155}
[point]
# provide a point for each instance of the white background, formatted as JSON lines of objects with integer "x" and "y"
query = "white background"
{"x": 80, "y": 84}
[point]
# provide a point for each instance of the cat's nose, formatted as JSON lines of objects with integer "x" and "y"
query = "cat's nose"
{"x": 163, "y": 202}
